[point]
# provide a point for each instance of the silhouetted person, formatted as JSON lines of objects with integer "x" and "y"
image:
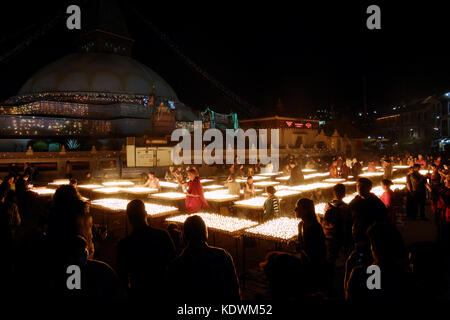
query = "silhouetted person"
{"x": 9, "y": 222}
{"x": 203, "y": 273}
{"x": 22, "y": 184}
{"x": 143, "y": 256}
{"x": 366, "y": 209}
{"x": 7, "y": 183}
{"x": 389, "y": 254}
{"x": 67, "y": 244}
{"x": 428, "y": 268}
{"x": 68, "y": 170}
{"x": 10, "y": 217}
{"x": 88, "y": 178}
{"x": 333, "y": 228}
{"x": 356, "y": 168}
{"x": 73, "y": 183}
{"x": 311, "y": 237}
{"x": 345, "y": 216}
{"x": 415, "y": 183}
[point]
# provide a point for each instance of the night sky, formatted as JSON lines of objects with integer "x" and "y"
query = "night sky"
{"x": 308, "y": 56}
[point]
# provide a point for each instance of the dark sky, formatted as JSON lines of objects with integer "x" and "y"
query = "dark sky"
{"x": 309, "y": 56}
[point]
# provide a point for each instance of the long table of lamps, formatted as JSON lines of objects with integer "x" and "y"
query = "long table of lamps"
{"x": 279, "y": 229}
{"x": 225, "y": 191}
{"x": 43, "y": 191}
{"x": 255, "y": 179}
{"x": 312, "y": 186}
{"x": 90, "y": 186}
{"x": 269, "y": 174}
{"x": 118, "y": 183}
{"x": 401, "y": 180}
{"x": 225, "y": 224}
{"x": 285, "y": 193}
{"x": 220, "y": 196}
{"x": 168, "y": 184}
{"x": 111, "y": 212}
{"x": 59, "y": 182}
{"x": 264, "y": 184}
{"x": 212, "y": 187}
{"x": 371, "y": 174}
{"x": 153, "y": 210}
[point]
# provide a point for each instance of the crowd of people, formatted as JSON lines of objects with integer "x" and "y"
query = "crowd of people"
{"x": 39, "y": 241}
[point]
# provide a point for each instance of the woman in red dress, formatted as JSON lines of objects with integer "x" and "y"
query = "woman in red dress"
{"x": 388, "y": 197}
{"x": 195, "y": 201}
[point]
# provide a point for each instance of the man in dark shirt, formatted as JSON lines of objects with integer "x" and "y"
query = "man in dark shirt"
{"x": 296, "y": 177}
{"x": 415, "y": 183}
{"x": 337, "y": 224}
{"x": 203, "y": 273}
{"x": 47, "y": 267}
{"x": 356, "y": 168}
{"x": 143, "y": 256}
{"x": 366, "y": 209}
{"x": 311, "y": 241}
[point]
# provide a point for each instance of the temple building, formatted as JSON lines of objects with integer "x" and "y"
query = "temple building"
{"x": 97, "y": 92}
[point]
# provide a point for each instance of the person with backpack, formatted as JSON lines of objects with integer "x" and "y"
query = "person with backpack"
{"x": 415, "y": 183}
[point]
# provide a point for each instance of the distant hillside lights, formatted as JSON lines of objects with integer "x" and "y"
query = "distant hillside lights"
{"x": 213, "y": 152}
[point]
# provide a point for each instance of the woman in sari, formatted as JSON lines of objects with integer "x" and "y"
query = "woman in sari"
{"x": 195, "y": 201}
